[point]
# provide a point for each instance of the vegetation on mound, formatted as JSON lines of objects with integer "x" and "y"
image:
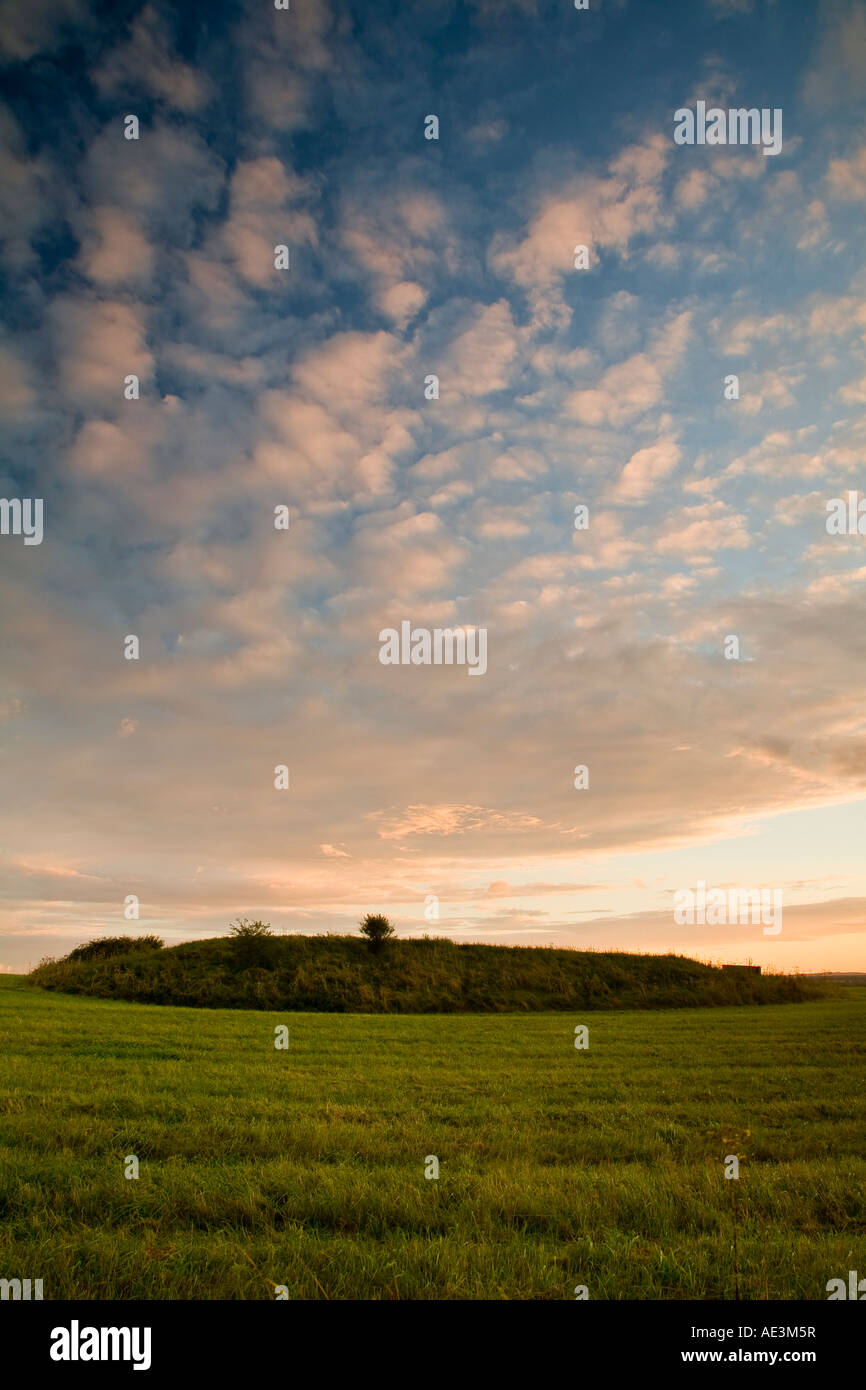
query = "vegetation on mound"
{"x": 104, "y": 946}
{"x": 340, "y": 974}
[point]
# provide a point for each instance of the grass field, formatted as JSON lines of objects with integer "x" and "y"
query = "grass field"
{"x": 305, "y": 1167}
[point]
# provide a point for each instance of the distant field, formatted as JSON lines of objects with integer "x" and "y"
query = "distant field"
{"x": 305, "y": 1167}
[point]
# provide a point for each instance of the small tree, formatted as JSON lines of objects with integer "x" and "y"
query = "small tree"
{"x": 377, "y": 930}
{"x": 248, "y": 930}
{"x": 252, "y": 943}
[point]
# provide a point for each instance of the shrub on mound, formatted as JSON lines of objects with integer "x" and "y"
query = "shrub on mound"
{"x": 254, "y": 945}
{"x": 104, "y": 946}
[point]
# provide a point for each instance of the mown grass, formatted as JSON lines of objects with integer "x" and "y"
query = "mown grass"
{"x": 305, "y": 1167}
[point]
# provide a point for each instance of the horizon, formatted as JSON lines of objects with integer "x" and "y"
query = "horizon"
{"x": 496, "y": 552}
{"x": 506, "y": 945}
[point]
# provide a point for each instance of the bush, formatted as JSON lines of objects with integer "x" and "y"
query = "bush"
{"x": 253, "y": 944}
{"x": 104, "y": 946}
{"x": 377, "y": 930}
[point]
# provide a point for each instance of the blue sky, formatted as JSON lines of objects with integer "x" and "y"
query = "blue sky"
{"x": 304, "y": 388}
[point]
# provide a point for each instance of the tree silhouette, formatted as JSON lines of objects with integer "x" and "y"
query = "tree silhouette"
{"x": 377, "y": 930}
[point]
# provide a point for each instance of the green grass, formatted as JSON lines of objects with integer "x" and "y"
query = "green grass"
{"x": 305, "y": 1167}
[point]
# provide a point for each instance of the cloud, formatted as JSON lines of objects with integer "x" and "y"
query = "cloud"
{"x": 694, "y": 188}
{"x": 482, "y": 357}
{"x": 401, "y": 245}
{"x": 854, "y": 392}
{"x": 448, "y": 820}
{"x": 260, "y": 219}
{"x": 145, "y": 62}
{"x": 168, "y": 178}
{"x": 816, "y": 228}
{"x": 745, "y": 332}
{"x": 99, "y": 343}
{"x": 334, "y": 429}
{"x": 284, "y": 55}
{"x": 404, "y": 554}
{"x": 846, "y": 178}
{"x": 624, "y": 392}
{"x": 837, "y": 75}
{"x": 645, "y": 468}
{"x": 700, "y": 532}
{"x": 30, "y": 194}
{"x": 402, "y": 301}
{"x": 350, "y": 370}
{"x": 114, "y": 249}
{"x": 799, "y": 507}
{"x": 631, "y": 388}
{"x": 487, "y": 132}
{"x": 40, "y": 26}
{"x": 17, "y": 394}
{"x": 768, "y": 390}
{"x": 601, "y": 213}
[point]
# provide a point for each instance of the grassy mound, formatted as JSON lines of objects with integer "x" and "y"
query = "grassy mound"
{"x": 339, "y": 974}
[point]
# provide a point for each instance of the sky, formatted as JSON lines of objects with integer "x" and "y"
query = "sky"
{"x": 443, "y": 797}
